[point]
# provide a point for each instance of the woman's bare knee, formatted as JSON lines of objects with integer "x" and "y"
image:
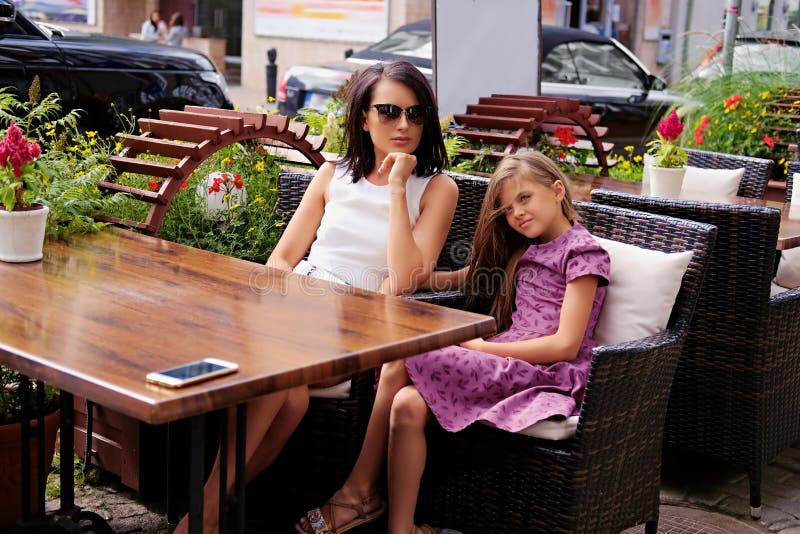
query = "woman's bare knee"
{"x": 394, "y": 373}
{"x": 408, "y": 409}
{"x": 296, "y": 403}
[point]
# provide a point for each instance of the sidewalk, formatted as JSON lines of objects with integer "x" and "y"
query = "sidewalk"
{"x": 696, "y": 497}
{"x": 247, "y": 99}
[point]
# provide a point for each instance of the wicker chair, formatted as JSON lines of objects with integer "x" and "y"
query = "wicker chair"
{"x": 757, "y": 171}
{"x": 794, "y": 166}
{"x": 325, "y": 446}
{"x": 735, "y": 396}
{"x": 604, "y": 479}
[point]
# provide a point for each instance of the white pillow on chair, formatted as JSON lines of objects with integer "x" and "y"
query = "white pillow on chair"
{"x": 788, "y": 274}
{"x": 641, "y": 292}
{"x": 719, "y": 182}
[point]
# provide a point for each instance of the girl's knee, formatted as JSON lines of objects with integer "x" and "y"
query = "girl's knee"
{"x": 394, "y": 373}
{"x": 409, "y": 409}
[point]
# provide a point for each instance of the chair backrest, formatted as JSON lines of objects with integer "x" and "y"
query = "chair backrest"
{"x": 794, "y": 166}
{"x": 757, "y": 171}
{"x": 455, "y": 253}
{"x": 727, "y": 335}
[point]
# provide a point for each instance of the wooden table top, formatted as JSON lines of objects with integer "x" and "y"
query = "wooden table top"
{"x": 101, "y": 311}
{"x": 581, "y": 187}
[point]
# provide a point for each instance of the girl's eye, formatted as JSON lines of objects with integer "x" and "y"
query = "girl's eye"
{"x": 524, "y": 198}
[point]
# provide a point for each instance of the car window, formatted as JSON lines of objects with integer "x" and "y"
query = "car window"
{"x": 604, "y": 65}
{"x": 558, "y": 66}
{"x": 11, "y": 28}
{"x": 407, "y": 43}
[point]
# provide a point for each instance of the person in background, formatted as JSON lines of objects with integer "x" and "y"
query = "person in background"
{"x": 177, "y": 31}
{"x": 154, "y": 29}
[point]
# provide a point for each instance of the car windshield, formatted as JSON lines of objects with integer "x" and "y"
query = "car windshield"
{"x": 407, "y": 43}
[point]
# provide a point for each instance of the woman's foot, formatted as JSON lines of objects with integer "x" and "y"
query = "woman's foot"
{"x": 342, "y": 512}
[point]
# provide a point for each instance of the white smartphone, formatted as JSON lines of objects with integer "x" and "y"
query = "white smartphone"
{"x": 191, "y": 373}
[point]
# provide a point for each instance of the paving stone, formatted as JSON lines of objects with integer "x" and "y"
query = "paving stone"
{"x": 790, "y": 530}
{"x": 706, "y": 496}
{"x": 782, "y": 526}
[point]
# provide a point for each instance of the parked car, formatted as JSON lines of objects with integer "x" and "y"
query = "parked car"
{"x": 773, "y": 51}
{"x": 92, "y": 71}
{"x": 597, "y": 70}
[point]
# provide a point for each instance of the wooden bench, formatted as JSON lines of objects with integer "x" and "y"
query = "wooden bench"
{"x": 510, "y": 122}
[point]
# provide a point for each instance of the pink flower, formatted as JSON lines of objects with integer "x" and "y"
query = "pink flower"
{"x": 17, "y": 151}
{"x": 671, "y": 127}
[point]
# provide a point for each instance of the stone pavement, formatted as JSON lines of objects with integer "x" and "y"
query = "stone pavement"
{"x": 697, "y": 496}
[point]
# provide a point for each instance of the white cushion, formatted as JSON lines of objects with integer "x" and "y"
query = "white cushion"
{"x": 641, "y": 292}
{"x": 775, "y": 289}
{"x": 795, "y": 200}
{"x": 720, "y": 182}
{"x": 338, "y": 391}
{"x": 788, "y": 274}
{"x": 547, "y": 429}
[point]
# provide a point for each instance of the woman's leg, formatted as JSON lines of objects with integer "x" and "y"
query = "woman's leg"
{"x": 261, "y": 413}
{"x": 407, "y": 451}
{"x": 362, "y": 483}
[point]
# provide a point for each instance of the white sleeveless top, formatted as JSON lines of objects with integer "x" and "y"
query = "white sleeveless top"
{"x": 351, "y": 242}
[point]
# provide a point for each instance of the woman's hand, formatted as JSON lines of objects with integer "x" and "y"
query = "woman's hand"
{"x": 400, "y": 166}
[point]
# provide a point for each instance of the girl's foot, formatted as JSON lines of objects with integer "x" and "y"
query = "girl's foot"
{"x": 341, "y": 513}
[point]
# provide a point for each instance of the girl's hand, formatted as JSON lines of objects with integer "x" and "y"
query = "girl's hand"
{"x": 474, "y": 344}
{"x": 400, "y": 166}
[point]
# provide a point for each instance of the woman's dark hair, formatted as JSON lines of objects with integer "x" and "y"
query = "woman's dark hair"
{"x": 360, "y": 156}
{"x": 152, "y": 22}
{"x": 176, "y": 20}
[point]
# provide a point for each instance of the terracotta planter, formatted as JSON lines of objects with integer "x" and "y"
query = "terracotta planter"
{"x": 22, "y": 233}
{"x": 10, "y": 466}
{"x": 666, "y": 182}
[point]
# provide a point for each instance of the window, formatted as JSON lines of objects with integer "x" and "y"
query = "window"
{"x": 587, "y": 63}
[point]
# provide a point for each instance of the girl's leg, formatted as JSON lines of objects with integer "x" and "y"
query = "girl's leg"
{"x": 261, "y": 412}
{"x": 407, "y": 451}
{"x": 362, "y": 483}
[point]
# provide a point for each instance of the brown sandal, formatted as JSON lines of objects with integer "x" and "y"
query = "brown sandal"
{"x": 320, "y": 526}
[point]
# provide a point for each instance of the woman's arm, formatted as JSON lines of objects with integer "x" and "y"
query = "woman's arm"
{"x": 565, "y": 343}
{"x": 446, "y": 280}
{"x": 302, "y": 228}
{"x": 412, "y": 254}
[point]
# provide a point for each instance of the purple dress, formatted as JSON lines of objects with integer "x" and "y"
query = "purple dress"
{"x": 462, "y": 386}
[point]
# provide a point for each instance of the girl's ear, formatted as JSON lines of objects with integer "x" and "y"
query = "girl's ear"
{"x": 364, "y": 126}
{"x": 559, "y": 190}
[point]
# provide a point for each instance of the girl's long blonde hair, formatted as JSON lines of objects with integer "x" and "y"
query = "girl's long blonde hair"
{"x": 497, "y": 247}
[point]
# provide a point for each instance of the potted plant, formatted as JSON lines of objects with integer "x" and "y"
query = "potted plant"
{"x": 10, "y": 444}
{"x": 669, "y": 160}
{"x": 22, "y": 177}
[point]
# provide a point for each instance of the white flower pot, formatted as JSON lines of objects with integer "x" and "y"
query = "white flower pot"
{"x": 666, "y": 182}
{"x": 215, "y": 203}
{"x": 22, "y": 234}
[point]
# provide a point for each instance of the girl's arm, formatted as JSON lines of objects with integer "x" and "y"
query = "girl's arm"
{"x": 302, "y": 228}
{"x": 565, "y": 343}
{"x": 412, "y": 254}
{"x": 446, "y": 280}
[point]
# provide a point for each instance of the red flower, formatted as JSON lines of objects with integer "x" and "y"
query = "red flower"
{"x": 671, "y": 127}
{"x": 230, "y": 162}
{"x": 17, "y": 151}
{"x": 769, "y": 141}
{"x": 698, "y": 132}
{"x": 732, "y": 102}
{"x": 565, "y": 137}
{"x": 183, "y": 186}
{"x": 237, "y": 181}
{"x": 154, "y": 185}
{"x": 214, "y": 188}
{"x": 261, "y": 149}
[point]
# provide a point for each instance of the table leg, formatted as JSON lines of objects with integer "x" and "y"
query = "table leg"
{"x": 241, "y": 451}
{"x": 66, "y": 452}
{"x": 196, "y": 459}
{"x": 223, "y": 471}
{"x": 41, "y": 473}
{"x": 25, "y": 428}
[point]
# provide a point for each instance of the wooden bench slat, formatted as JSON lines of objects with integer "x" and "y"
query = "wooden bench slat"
{"x": 549, "y": 106}
{"x": 258, "y": 120}
{"x": 162, "y": 147}
{"x": 493, "y": 138}
{"x": 506, "y": 111}
{"x": 125, "y": 222}
{"x": 152, "y": 197}
{"x": 140, "y": 166}
{"x": 235, "y": 124}
{"x": 178, "y": 130}
{"x": 500, "y": 123}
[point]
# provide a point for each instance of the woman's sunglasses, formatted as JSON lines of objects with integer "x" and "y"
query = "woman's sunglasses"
{"x": 389, "y": 113}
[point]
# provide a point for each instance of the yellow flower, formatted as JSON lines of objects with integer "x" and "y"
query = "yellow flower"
{"x": 237, "y": 107}
{"x": 637, "y": 158}
{"x": 629, "y": 148}
{"x": 118, "y": 146}
{"x": 50, "y": 133}
{"x": 781, "y": 161}
{"x": 92, "y": 141}
{"x": 91, "y": 134}
{"x": 271, "y": 99}
{"x": 764, "y": 95}
{"x": 251, "y": 229}
{"x": 730, "y": 127}
{"x": 280, "y": 223}
{"x": 86, "y": 151}
{"x": 753, "y": 130}
{"x": 260, "y": 166}
{"x": 234, "y": 206}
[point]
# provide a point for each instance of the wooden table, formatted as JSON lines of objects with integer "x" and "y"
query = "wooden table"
{"x": 581, "y": 187}
{"x": 102, "y": 310}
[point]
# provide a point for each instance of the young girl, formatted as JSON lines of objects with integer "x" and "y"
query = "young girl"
{"x": 547, "y": 277}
